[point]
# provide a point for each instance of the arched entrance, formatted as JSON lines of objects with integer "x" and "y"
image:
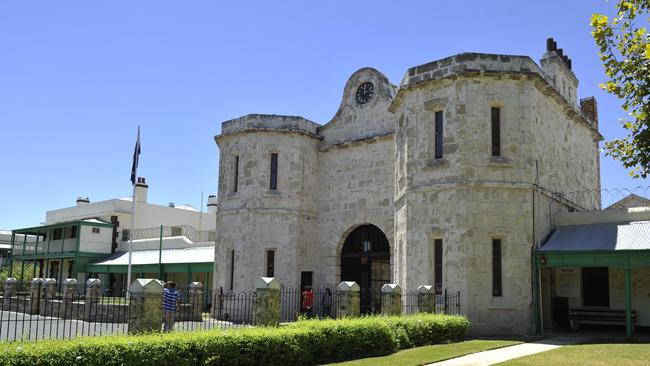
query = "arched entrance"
{"x": 365, "y": 259}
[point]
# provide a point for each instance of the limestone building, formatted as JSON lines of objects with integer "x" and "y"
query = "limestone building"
{"x": 449, "y": 179}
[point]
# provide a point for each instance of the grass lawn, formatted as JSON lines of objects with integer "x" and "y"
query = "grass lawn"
{"x": 628, "y": 354}
{"x": 428, "y": 354}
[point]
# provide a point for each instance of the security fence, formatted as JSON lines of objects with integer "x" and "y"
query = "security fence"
{"x": 51, "y": 311}
{"x": 43, "y": 312}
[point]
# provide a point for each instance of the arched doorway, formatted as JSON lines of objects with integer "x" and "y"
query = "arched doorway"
{"x": 365, "y": 259}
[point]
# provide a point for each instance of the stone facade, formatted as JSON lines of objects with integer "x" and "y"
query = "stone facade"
{"x": 375, "y": 163}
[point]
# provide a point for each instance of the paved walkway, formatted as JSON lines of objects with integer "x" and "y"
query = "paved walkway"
{"x": 508, "y": 353}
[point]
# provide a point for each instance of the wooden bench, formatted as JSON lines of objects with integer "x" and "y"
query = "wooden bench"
{"x": 598, "y": 316}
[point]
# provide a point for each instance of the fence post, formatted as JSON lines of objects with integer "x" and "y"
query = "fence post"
{"x": 348, "y": 301}
{"x": 145, "y": 308}
{"x": 69, "y": 295}
{"x": 426, "y": 299}
{"x": 35, "y": 295}
{"x": 458, "y": 303}
{"x": 9, "y": 291}
{"x": 196, "y": 301}
{"x": 93, "y": 289}
{"x": 49, "y": 291}
{"x": 391, "y": 299}
{"x": 267, "y": 301}
{"x": 446, "y": 303}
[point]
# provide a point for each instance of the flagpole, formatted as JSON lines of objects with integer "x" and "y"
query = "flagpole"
{"x": 134, "y": 181}
{"x": 128, "y": 271}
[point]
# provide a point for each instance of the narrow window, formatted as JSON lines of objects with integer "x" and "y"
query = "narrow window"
{"x": 438, "y": 137}
{"x": 496, "y": 132}
{"x": 497, "y": 289}
{"x": 274, "y": 172}
{"x": 270, "y": 263}
{"x": 232, "y": 269}
{"x": 437, "y": 267}
{"x": 236, "y": 175}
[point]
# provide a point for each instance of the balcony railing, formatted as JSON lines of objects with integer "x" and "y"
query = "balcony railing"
{"x": 189, "y": 232}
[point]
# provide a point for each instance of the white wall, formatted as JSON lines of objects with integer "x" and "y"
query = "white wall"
{"x": 95, "y": 242}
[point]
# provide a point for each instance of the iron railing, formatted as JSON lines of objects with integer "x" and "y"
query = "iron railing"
{"x": 189, "y": 232}
{"x": 37, "y": 315}
{"x": 51, "y": 314}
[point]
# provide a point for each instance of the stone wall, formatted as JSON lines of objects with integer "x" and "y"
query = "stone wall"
{"x": 375, "y": 163}
{"x": 284, "y": 219}
{"x": 356, "y": 188}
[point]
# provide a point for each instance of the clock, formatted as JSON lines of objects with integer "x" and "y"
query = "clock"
{"x": 365, "y": 93}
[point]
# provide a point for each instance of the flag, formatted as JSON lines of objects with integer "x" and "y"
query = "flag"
{"x": 136, "y": 158}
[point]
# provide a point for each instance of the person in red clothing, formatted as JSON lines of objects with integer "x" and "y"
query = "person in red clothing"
{"x": 307, "y": 301}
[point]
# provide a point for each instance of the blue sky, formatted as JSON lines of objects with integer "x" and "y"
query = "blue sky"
{"x": 78, "y": 77}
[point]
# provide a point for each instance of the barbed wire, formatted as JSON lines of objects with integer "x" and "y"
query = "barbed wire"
{"x": 606, "y": 197}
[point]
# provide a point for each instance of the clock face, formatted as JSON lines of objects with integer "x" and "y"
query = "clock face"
{"x": 365, "y": 92}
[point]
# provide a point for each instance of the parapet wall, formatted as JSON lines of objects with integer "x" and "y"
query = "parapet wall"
{"x": 269, "y": 122}
{"x": 467, "y": 62}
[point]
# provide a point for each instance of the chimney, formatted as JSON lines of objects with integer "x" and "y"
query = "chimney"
{"x": 589, "y": 107}
{"x": 82, "y": 200}
{"x": 212, "y": 204}
{"x": 557, "y": 65}
{"x": 141, "y": 188}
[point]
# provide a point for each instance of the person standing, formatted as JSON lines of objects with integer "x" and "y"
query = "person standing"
{"x": 171, "y": 298}
{"x": 307, "y": 301}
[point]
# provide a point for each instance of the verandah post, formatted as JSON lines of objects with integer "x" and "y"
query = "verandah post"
{"x": 628, "y": 300}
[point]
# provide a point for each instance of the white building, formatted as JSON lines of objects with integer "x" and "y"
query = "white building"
{"x": 91, "y": 238}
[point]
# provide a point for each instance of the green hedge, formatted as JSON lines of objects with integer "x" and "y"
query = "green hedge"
{"x": 308, "y": 342}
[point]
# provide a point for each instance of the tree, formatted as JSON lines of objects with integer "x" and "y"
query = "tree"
{"x": 624, "y": 46}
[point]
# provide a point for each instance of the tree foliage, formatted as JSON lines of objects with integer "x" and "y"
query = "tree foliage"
{"x": 624, "y": 45}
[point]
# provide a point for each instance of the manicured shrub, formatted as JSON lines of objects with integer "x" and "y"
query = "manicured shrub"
{"x": 307, "y": 342}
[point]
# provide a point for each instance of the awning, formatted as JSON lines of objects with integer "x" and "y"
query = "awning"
{"x": 596, "y": 237}
{"x": 198, "y": 259}
{"x": 614, "y": 245}
{"x": 186, "y": 255}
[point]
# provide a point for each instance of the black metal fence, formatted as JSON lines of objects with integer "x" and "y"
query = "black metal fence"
{"x": 36, "y": 315}
{"x": 43, "y": 314}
